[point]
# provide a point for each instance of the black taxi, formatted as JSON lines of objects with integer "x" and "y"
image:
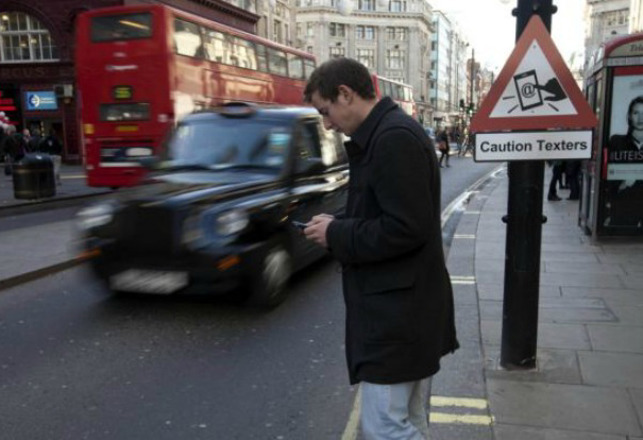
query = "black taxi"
{"x": 218, "y": 212}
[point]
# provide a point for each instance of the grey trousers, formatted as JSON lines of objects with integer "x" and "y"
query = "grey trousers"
{"x": 395, "y": 412}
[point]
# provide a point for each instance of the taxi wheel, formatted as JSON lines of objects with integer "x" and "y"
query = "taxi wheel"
{"x": 270, "y": 283}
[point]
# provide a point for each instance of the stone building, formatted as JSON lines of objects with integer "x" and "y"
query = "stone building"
{"x": 393, "y": 38}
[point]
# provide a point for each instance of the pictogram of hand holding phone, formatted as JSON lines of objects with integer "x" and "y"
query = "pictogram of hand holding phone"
{"x": 528, "y": 90}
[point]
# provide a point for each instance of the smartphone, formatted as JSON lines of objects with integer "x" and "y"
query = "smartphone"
{"x": 299, "y": 225}
{"x": 528, "y": 92}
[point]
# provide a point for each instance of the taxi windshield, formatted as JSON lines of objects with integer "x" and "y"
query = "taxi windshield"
{"x": 230, "y": 143}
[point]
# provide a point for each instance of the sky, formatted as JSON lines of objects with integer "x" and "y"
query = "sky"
{"x": 489, "y": 25}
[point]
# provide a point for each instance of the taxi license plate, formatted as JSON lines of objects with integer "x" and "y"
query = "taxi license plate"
{"x": 149, "y": 281}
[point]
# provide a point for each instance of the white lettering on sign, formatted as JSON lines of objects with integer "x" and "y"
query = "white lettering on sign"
{"x": 544, "y": 145}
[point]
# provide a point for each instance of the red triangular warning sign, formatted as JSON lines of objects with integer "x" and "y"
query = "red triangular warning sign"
{"x": 535, "y": 90}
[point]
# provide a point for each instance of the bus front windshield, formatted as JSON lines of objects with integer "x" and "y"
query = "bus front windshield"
{"x": 121, "y": 27}
{"x": 229, "y": 143}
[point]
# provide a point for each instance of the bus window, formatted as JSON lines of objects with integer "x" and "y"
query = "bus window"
{"x": 139, "y": 111}
{"x": 247, "y": 53}
{"x": 278, "y": 62}
{"x": 295, "y": 66}
{"x": 398, "y": 92}
{"x": 214, "y": 43}
{"x": 309, "y": 66}
{"x": 187, "y": 39}
{"x": 385, "y": 87}
{"x": 262, "y": 57}
{"x": 121, "y": 27}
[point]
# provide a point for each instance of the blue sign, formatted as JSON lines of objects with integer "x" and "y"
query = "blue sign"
{"x": 41, "y": 100}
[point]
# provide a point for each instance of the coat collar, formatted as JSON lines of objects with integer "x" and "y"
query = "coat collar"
{"x": 362, "y": 136}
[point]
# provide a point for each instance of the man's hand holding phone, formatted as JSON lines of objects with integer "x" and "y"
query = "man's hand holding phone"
{"x": 315, "y": 229}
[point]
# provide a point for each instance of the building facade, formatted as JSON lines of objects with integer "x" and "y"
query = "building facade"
{"x": 606, "y": 19}
{"x": 37, "y": 59}
{"x": 392, "y": 38}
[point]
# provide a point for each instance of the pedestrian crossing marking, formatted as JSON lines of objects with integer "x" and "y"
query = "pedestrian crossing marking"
{"x": 468, "y": 236}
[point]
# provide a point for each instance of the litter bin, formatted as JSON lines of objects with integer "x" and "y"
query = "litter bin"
{"x": 33, "y": 177}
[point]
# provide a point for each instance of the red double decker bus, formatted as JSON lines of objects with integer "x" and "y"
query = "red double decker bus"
{"x": 141, "y": 67}
{"x": 399, "y": 92}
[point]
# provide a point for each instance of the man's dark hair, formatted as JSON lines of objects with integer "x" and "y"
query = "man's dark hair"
{"x": 331, "y": 74}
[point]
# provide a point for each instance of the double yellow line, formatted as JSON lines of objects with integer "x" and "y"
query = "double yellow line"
{"x": 457, "y": 403}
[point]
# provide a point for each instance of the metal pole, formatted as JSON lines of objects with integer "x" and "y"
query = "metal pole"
{"x": 524, "y": 232}
{"x": 473, "y": 63}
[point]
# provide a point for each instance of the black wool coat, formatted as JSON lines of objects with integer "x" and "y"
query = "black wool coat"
{"x": 399, "y": 301}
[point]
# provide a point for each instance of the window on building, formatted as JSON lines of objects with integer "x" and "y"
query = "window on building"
{"x": 401, "y": 33}
{"x": 309, "y": 49}
{"x": 366, "y": 5}
{"x": 277, "y": 31}
{"x": 310, "y": 29}
{"x": 366, "y": 57}
{"x": 298, "y": 30}
{"x": 395, "y": 59}
{"x": 365, "y": 32}
{"x": 24, "y": 39}
{"x": 396, "y": 33}
{"x": 337, "y": 30}
{"x": 337, "y": 52}
{"x": 397, "y": 6}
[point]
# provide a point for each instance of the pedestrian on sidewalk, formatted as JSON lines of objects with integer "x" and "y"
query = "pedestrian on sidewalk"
{"x": 34, "y": 141}
{"x": 443, "y": 146}
{"x": 13, "y": 149}
{"x": 397, "y": 291}
{"x": 52, "y": 146}
{"x": 572, "y": 173}
{"x": 556, "y": 171}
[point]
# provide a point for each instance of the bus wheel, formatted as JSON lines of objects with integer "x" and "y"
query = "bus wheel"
{"x": 269, "y": 285}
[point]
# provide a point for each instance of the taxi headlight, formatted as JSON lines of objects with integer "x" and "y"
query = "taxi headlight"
{"x": 231, "y": 222}
{"x": 94, "y": 216}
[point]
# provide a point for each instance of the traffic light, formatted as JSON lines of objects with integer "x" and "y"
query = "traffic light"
{"x": 470, "y": 109}
{"x": 462, "y": 105}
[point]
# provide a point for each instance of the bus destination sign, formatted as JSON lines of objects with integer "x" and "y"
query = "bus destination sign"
{"x": 123, "y": 92}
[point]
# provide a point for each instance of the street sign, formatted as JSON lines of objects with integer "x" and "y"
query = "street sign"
{"x": 535, "y": 90}
{"x": 543, "y": 145}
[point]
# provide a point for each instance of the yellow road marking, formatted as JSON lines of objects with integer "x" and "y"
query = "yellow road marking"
{"x": 350, "y": 432}
{"x": 459, "y": 401}
{"x": 463, "y": 279}
{"x": 467, "y": 419}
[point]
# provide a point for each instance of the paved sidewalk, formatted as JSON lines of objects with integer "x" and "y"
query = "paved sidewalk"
{"x": 73, "y": 188}
{"x": 34, "y": 250}
{"x": 589, "y": 380}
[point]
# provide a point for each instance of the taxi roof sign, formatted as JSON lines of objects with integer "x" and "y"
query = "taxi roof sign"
{"x": 535, "y": 90}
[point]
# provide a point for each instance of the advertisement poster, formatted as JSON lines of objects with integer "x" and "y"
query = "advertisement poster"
{"x": 623, "y": 202}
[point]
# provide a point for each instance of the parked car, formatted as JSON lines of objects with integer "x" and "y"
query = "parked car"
{"x": 216, "y": 214}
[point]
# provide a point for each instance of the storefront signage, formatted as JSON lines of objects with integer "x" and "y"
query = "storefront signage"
{"x": 41, "y": 100}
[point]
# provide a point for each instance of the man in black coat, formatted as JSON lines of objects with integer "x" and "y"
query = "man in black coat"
{"x": 399, "y": 301}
